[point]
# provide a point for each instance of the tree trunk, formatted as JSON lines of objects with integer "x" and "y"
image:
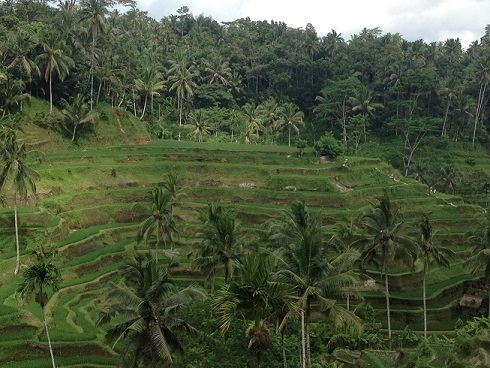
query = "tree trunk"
{"x": 17, "y": 247}
{"x": 303, "y": 348}
{"x": 425, "y": 305}
{"x": 259, "y": 359}
{"x": 144, "y": 108}
{"x": 284, "y": 357}
{"x": 307, "y": 333}
{"x": 50, "y": 93}
{"x": 387, "y": 294}
{"x": 49, "y": 340}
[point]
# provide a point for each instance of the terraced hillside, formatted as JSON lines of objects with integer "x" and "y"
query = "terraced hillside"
{"x": 85, "y": 205}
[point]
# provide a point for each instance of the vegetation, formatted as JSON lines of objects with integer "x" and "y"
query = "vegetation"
{"x": 177, "y": 134}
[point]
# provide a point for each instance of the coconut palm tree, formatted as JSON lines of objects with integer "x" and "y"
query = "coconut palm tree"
{"x": 150, "y": 84}
{"x": 253, "y": 296}
{"x": 479, "y": 260}
{"x": 147, "y": 300}
{"x": 77, "y": 114}
{"x": 15, "y": 170}
{"x": 22, "y": 46}
{"x": 181, "y": 78}
{"x": 290, "y": 118}
{"x": 12, "y": 94}
{"x": 430, "y": 254}
{"x": 37, "y": 278}
{"x": 92, "y": 13}
{"x": 316, "y": 271}
{"x": 221, "y": 242}
{"x": 56, "y": 61}
{"x": 157, "y": 219}
{"x": 200, "y": 124}
{"x": 385, "y": 242}
{"x": 362, "y": 102}
{"x": 217, "y": 70}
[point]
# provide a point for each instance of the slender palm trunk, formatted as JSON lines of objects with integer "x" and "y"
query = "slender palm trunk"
{"x": 50, "y": 93}
{"x": 387, "y": 294}
{"x": 445, "y": 118}
{"x": 92, "y": 61}
{"x": 179, "y": 105}
{"x": 74, "y": 132}
{"x": 488, "y": 301}
{"x": 284, "y": 357}
{"x": 259, "y": 359}
{"x": 303, "y": 343}
{"x": 289, "y": 136}
{"x": 17, "y": 247}
{"x": 307, "y": 333}
{"x": 49, "y": 339}
{"x": 144, "y": 107}
{"x": 425, "y": 304}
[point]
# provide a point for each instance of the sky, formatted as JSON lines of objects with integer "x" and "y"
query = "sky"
{"x": 430, "y": 20}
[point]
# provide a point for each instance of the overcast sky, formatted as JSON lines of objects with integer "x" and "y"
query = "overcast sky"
{"x": 431, "y": 20}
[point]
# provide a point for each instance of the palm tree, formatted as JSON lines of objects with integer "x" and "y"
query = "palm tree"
{"x": 93, "y": 14}
{"x": 482, "y": 75}
{"x": 146, "y": 300}
{"x": 217, "y": 69}
{"x": 430, "y": 254}
{"x": 200, "y": 124}
{"x": 55, "y": 60}
{"x": 289, "y": 118}
{"x": 221, "y": 243}
{"x": 77, "y": 114}
{"x": 479, "y": 260}
{"x": 254, "y": 117}
{"x": 386, "y": 242}
{"x": 15, "y": 170}
{"x": 362, "y": 101}
{"x": 36, "y": 278}
{"x": 181, "y": 78}
{"x": 253, "y": 296}
{"x": 451, "y": 89}
{"x": 157, "y": 219}
{"x": 22, "y": 45}
{"x": 150, "y": 83}
{"x": 12, "y": 94}
{"x": 316, "y": 271}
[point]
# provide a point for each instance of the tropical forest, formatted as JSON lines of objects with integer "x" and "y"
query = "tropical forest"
{"x": 183, "y": 192}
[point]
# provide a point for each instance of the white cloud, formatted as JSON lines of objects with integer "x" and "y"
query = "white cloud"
{"x": 431, "y": 20}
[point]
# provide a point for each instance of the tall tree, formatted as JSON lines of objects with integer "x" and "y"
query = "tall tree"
{"x": 93, "y": 14}
{"x": 55, "y": 60}
{"x": 147, "y": 300}
{"x": 158, "y": 219}
{"x": 16, "y": 171}
{"x": 150, "y": 84}
{"x": 77, "y": 114}
{"x": 290, "y": 118}
{"x": 221, "y": 242}
{"x": 430, "y": 253}
{"x": 181, "y": 76}
{"x": 317, "y": 272}
{"x": 36, "y": 279}
{"x": 479, "y": 261}
{"x": 386, "y": 242}
{"x": 254, "y": 296}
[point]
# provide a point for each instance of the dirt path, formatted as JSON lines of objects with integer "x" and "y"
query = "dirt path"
{"x": 343, "y": 188}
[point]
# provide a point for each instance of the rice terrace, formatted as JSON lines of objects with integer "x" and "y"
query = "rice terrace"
{"x": 86, "y": 207}
{"x": 188, "y": 193}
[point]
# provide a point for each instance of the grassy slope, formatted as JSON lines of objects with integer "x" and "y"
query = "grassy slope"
{"x": 85, "y": 205}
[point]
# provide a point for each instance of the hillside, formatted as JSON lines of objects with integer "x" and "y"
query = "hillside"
{"x": 85, "y": 206}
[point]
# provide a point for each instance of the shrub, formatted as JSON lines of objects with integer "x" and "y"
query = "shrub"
{"x": 328, "y": 145}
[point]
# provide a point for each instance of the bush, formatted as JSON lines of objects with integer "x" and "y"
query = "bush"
{"x": 329, "y": 146}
